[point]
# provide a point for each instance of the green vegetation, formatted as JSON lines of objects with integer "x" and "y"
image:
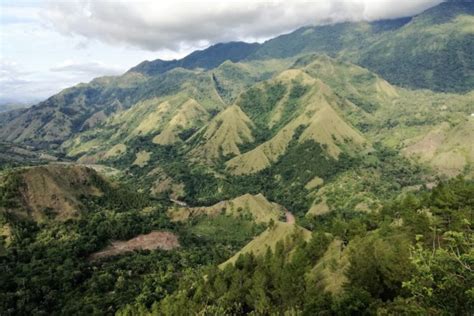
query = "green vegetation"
{"x": 428, "y": 51}
{"x": 214, "y": 152}
{"x": 46, "y": 267}
{"x": 417, "y": 266}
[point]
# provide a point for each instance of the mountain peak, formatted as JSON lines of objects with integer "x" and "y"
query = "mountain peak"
{"x": 208, "y": 58}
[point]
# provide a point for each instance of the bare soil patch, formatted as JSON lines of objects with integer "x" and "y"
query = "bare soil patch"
{"x": 151, "y": 241}
{"x": 290, "y": 218}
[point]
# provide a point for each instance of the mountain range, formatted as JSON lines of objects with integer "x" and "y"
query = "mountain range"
{"x": 329, "y": 155}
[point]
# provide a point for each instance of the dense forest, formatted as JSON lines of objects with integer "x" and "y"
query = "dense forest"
{"x": 413, "y": 257}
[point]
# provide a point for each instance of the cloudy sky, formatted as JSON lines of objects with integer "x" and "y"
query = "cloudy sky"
{"x": 46, "y": 46}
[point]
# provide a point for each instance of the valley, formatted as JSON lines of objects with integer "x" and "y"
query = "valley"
{"x": 327, "y": 171}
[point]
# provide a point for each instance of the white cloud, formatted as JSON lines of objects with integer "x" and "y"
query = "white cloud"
{"x": 104, "y": 37}
{"x": 24, "y": 86}
{"x": 155, "y": 25}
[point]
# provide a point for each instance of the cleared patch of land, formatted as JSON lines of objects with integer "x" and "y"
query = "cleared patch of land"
{"x": 152, "y": 241}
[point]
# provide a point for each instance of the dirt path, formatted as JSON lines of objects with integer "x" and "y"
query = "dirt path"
{"x": 290, "y": 218}
{"x": 180, "y": 203}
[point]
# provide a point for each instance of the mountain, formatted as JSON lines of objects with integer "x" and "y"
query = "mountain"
{"x": 52, "y": 191}
{"x": 5, "y": 107}
{"x": 206, "y": 59}
{"x": 223, "y": 135}
{"x": 410, "y": 52}
{"x": 164, "y": 190}
{"x": 310, "y": 118}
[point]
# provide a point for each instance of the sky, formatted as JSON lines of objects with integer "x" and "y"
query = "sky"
{"x": 49, "y": 45}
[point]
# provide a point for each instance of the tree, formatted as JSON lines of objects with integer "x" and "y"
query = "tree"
{"x": 444, "y": 277}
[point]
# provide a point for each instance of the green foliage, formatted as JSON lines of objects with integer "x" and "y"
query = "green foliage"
{"x": 444, "y": 276}
{"x": 387, "y": 272}
{"x": 207, "y": 59}
{"x": 225, "y": 229}
{"x": 47, "y": 267}
{"x": 379, "y": 266}
{"x": 9, "y": 193}
{"x": 397, "y": 50}
{"x": 263, "y": 285}
{"x": 258, "y": 102}
{"x": 122, "y": 197}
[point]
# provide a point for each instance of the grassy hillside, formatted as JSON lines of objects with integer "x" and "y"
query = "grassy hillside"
{"x": 279, "y": 232}
{"x": 255, "y": 207}
{"x": 408, "y": 52}
{"x": 51, "y": 191}
{"x": 222, "y": 136}
{"x": 323, "y": 111}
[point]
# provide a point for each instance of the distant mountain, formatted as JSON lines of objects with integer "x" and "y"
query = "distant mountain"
{"x": 208, "y": 58}
{"x": 432, "y": 50}
{"x": 5, "y": 107}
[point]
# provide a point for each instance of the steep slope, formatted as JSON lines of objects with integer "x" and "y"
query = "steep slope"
{"x": 169, "y": 115}
{"x": 51, "y": 122}
{"x": 406, "y": 52}
{"x": 280, "y": 232}
{"x": 450, "y": 150}
{"x": 410, "y": 52}
{"x": 87, "y": 106}
{"x": 257, "y": 206}
{"x": 416, "y": 55}
{"x": 208, "y": 58}
{"x": 309, "y": 116}
{"x": 50, "y": 191}
{"x": 161, "y": 121}
{"x": 223, "y": 135}
{"x": 190, "y": 116}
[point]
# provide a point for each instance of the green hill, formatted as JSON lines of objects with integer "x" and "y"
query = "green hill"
{"x": 363, "y": 131}
{"x": 255, "y": 206}
{"x": 51, "y": 191}
{"x": 207, "y": 59}
{"x": 280, "y": 232}
{"x": 411, "y": 52}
